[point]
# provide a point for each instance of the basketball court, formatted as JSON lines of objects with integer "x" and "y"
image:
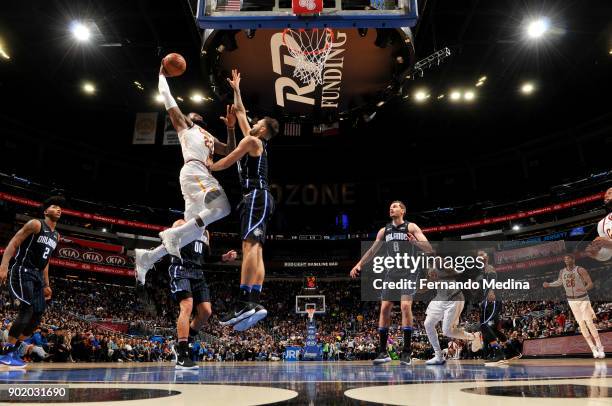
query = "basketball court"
{"x": 522, "y": 382}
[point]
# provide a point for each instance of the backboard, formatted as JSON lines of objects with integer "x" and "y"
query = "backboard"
{"x": 239, "y": 14}
{"x": 302, "y": 302}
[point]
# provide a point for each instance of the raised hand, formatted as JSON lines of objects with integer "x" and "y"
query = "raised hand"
{"x": 230, "y": 116}
{"x": 235, "y": 80}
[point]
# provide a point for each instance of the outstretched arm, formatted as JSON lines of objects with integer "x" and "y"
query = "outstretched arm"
{"x": 176, "y": 116}
{"x": 558, "y": 282}
{"x": 243, "y": 122}
{"x": 369, "y": 253}
{"x": 246, "y": 145}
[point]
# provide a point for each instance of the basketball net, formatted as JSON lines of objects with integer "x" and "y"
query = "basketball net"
{"x": 310, "y": 49}
{"x": 310, "y": 311}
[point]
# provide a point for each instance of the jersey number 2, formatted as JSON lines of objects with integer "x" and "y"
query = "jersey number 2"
{"x": 46, "y": 253}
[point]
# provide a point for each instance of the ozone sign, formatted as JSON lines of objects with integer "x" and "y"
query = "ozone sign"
{"x": 356, "y": 72}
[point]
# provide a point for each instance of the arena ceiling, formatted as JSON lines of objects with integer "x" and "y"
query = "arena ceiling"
{"x": 41, "y": 85}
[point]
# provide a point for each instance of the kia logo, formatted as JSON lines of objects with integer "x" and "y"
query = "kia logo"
{"x": 92, "y": 257}
{"x": 115, "y": 260}
{"x": 69, "y": 253}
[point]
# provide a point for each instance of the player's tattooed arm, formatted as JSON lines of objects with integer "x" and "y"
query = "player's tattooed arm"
{"x": 29, "y": 228}
{"x": 246, "y": 145}
{"x": 243, "y": 122}
{"x": 367, "y": 257}
{"x": 421, "y": 240}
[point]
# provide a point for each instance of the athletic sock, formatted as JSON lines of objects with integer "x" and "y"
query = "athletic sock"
{"x": 407, "y": 338}
{"x": 383, "y": 335}
{"x": 243, "y": 294}
{"x": 255, "y": 292}
{"x": 183, "y": 348}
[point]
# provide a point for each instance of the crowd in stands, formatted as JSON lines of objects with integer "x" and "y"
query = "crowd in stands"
{"x": 78, "y": 324}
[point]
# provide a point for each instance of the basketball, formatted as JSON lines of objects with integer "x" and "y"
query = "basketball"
{"x": 174, "y": 64}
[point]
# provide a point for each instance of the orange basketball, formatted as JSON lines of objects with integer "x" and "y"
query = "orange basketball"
{"x": 174, "y": 64}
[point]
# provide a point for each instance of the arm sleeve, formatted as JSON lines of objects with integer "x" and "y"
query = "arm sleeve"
{"x": 164, "y": 91}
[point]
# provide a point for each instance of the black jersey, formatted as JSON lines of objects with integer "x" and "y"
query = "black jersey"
{"x": 253, "y": 171}
{"x": 397, "y": 240}
{"x": 193, "y": 255}
{"x": 35, "y": 251}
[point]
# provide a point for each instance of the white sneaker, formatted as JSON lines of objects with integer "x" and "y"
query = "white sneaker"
{"x": 143, "y": 264}
{"x": 595, "y": 352}
{"x": 600, "y": 352}
{"x": 476, "y": 343}
{"x": 171, "y": 241}
{"x": 438, "y": 359}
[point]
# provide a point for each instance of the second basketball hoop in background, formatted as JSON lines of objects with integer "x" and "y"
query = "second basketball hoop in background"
{"x": 310, "y": 48}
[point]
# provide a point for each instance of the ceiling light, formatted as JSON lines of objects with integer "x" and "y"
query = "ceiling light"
{"x": 380, "y": 103}
{"x": 516, "y": 227}
{"x": 80, "y": 31}
{"x": 537, "y": 28}
{"x": 455, "y": 95}
{"x": 421, "y": 96}
{"x": 196, "y": 98}
{"x": 482, "y": 79}
{"x": 527, "y": 88}
{"x": 469, "y": 95}
{"x": 441, "y": 96}
{"x": 89, "y": 88}
{"x": 3, "y": 52}
{"x": 159, "y": 98}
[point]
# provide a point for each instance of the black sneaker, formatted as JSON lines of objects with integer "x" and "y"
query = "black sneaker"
{"x": 382, "y": 358}
{"x": 241, "y": 311}
{"x": 184, "y": 362}
{"x": 497, "y": 358}
{"x": 405, "y": 358}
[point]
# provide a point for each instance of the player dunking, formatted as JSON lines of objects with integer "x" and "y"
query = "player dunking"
{"x": 256, "y": 209}
{"x": 26, "y": 262}
{"x": 205, "y": 200}
{"x": 601, "y": 247}
{"x": 190, "y": 289}
{"x": 577, "y": 283}
{"x": 395, "y": 236}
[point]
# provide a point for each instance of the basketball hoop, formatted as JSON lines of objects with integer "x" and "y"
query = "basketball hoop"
{"x": 310, "y": 49}
{"x": 310, "y": 311}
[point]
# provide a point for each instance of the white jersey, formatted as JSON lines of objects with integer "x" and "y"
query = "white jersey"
{"x": 197, "y": 145}
{"x": 604, "y": 229}
{"x": 573, "y": 283}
